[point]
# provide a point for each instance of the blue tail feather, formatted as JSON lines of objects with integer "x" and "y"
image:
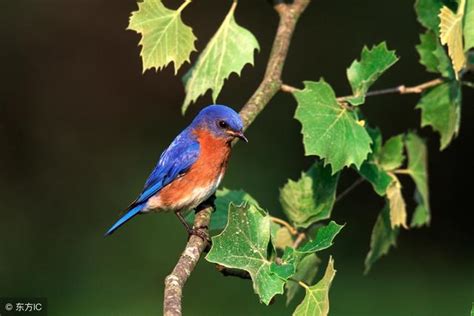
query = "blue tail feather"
{"x": 131, "y": 213}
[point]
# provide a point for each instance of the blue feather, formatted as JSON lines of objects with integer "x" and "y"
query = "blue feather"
{"x": 134, "y": 211}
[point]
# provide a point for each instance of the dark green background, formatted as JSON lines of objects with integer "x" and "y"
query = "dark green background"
{"x": 81, "y": 128}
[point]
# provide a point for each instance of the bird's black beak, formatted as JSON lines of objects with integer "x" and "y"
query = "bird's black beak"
{"x": 240, "y": 135}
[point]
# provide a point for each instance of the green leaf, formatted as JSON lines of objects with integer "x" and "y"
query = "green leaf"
{"x": 323, "y": 239}
{"x": 472, "y": 309}
{"x": 228, "y": 51}
{"x": 165, "y": 38}
{"x": 383, "y": 159}
{"x": 223, "y": 198}
{"x": 243, "y": 245}
{"x": 287, "y": 267}
{"x": 311, "y": 198}
{"x": 398, "y": 211}
{"x": 378, "y": 177}
{"x": 316, "y": 300}
{"x": 329, "y": 130}
{"x": 418, "y": 170}
{"x": 362, "y": 74}
{"x": 441, "y": 109}
{"x": 306, "y": 272}
{"x": 433, "y": 55}
{"x": 469, "y": 26}
{"x": 427, "y": 12}
{"x": 391, "y": 156}
{"x": 451, "y": 34}
{"x": 383, "y": 237}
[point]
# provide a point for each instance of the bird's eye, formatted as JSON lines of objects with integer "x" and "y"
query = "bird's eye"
{"x": 223, "y": 124}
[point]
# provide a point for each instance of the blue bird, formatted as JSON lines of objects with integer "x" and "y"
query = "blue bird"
{"x": 191, "y": 168}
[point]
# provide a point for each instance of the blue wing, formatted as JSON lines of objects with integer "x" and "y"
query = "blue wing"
{"x": 174, "y": 162}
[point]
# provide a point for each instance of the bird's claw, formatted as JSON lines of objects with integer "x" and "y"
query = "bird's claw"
{"x": 199, "y": 232}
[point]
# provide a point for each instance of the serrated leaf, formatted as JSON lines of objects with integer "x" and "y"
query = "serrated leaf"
{"x": 306, "y": 272}
{"x": 311, "y": 198}
{"x": 362, "y": 74}
{"x": 228, "y": 51}
{"x": 427, "y": 13}
{"x": 441, "y": 109}
{"x": 418, "y": 171}
{"x": 324, "y": 238}
{"x": 316, "y": 300}
{"x": 383, "y": 237}
{"x": 451, "y": 34}
{"x": 469, "y": 26}
{"x": 243, "y": 245}
{"x": 223, "y": 198}
{"x": 165, "y": 38}
{"x": 329, "y": 130}
{"x": 433, "y": 56}
{"x": 391, "y": 156}
{"x": 398, "y": 211}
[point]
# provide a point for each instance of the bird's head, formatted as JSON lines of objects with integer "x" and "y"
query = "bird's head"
{"x": 221, "y": 121}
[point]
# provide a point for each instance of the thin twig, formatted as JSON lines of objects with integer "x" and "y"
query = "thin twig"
{"x": 270, "y": 85}
{"x": 299, "y": 239}
{"x": 402, "y": 89}
{"x": 354, "y": 185}
{"x": 290, "y": 228}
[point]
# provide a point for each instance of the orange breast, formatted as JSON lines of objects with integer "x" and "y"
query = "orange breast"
{"x": 201, "y": 180}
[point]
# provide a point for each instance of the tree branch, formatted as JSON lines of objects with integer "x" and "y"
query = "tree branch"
{"x": 270, "y": 85}
{"x": 402, "y": 89}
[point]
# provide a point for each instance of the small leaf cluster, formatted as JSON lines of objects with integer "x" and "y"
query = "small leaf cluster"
{"x": 166, "y": 39}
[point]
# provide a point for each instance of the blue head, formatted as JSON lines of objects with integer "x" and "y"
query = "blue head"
{"x": 221, "y": 121}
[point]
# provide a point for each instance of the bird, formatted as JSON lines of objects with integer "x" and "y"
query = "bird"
{"x": 189, "y": 171}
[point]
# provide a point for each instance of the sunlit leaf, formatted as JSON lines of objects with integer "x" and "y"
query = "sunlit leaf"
{"x": 330, "y": 131}
{"x": 451, "y": 34}
{"x": 316, "y": 300}
{"x": 228, "y": 51}
{"x": 441, "y": 109}
{"x": 243, "y": 245}
{"x": 165, "y": 38}
{"x": 311, "y": 198}
{"x": 469, "y": 25}
{"x": 362, "y": 74}
{"x": 383, "y": 237}
{"x": 282, "y": 237}
{"x": 398, "y": 211}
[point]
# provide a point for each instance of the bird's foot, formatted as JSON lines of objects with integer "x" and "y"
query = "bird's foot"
{"x": 201, "y": 233}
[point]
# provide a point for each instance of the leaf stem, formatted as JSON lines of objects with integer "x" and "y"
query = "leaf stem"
{"x": 403, "y": 171}
{"x": 304, "y": 285}
{"x": 282, "y": 222}
{"x": 184, "y": 5}
{"x": 301, "y": 237}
